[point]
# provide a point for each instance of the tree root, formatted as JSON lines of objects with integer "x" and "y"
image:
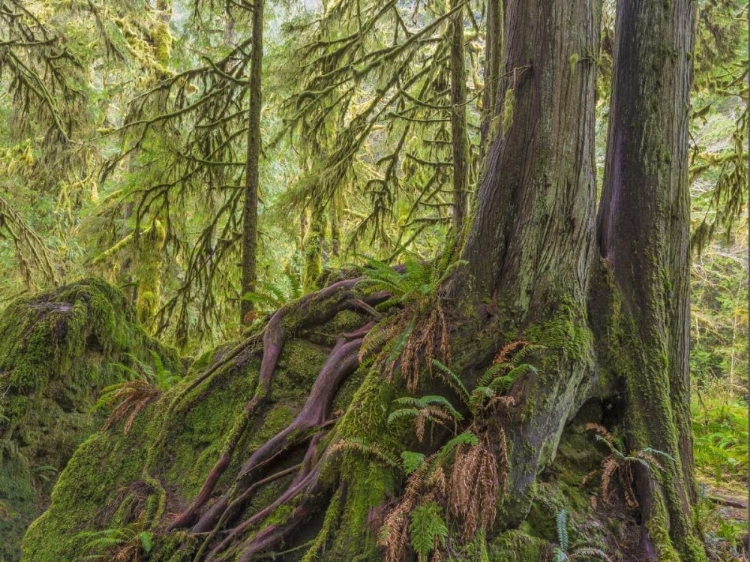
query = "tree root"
{"x": 313, "y": 309}
{"x": 341, "y": 362}
{"x": 250, "y": 490}
{"x": 309, "y": 484}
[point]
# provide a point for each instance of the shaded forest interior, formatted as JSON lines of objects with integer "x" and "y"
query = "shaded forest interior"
{"x": 430, "y": 280}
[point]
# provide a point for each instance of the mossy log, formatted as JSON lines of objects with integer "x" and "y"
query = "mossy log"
{"x": 57, "y": 351}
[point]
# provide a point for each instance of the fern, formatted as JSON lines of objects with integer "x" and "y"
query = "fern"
{"x": 124, "y": 543}
{"x": 465, "y": 438}
{"x": 147, "y": 541}
{"x": 585, "y": 552}
{"x": 426, "y": 529}
{"x": 434, "y": 409}
{"x": 412, "y": 461}
{"x": 430, "y": 400}
{"x": 269, "y": 296}
{"x": 453, "y": 380}
{"x": 561, "y": 519}
{"x": 145, "y": 384}
{"x": 366, "y": 449}
{"x": 618, "y": 460}
{"x": 417, "y": 281}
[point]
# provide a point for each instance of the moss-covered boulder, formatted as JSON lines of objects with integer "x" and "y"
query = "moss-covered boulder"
{"x": 130, "y": 482}
{"x": 57, "y": 350}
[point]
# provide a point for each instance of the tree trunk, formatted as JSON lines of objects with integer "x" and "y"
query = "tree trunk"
{"x": 459, "y": 135}
{"x": 313, "y": 247}
{"x": 643, "y": 232}
{"x": 250, "y": 212}
{"x": 531, "y": 245}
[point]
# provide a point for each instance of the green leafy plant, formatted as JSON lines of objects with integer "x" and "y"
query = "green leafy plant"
{"x": 427, "y": 529}
{"x": 272, "y": 295}
{"x": 435, "y": 409}
{"x": 720, "y": 430}
{"x": 125, "y": 544}
{"x": 564, "y": 552}
{"x": 145, "y": 384}
{"x": 465, "y": 476}
{"x": 408, "y": 341}
{"x": 492, "y": 387}
{"x": 43, "y": 474}
{"x": 417, "y": 279}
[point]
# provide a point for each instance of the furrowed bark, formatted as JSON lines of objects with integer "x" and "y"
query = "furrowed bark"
{"x": 643, "y": 231}
{"x": 492, "y": 69}
{"x": 531, "y": 244}
{"x": 459, "y": 135}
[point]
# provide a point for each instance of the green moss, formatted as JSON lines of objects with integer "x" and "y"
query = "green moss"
{"x": 185, "y": 446}
{"x": 368, "y": 485}
{"x": 567, "y": 331}
{"x": 151, "y": 244}
{"x": 517, "y": 546}
{"x": 658, "y": 530}
{"x": 57, "y": 350}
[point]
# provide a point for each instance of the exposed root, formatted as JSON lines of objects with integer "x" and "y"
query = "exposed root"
{"x": 341, "y": 362}
{"x": 313, "y": 309}
{"x": 309, "y": 485}
{"x": 248, "y": 492}
{"x": 273, "y": 534}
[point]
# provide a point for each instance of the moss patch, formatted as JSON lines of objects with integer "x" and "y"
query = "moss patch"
{"x": 57, "y": 350}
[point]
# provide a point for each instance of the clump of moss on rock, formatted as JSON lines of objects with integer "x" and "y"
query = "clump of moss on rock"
{"x": 176, "y": 440}
{"x": 57, "y": 350}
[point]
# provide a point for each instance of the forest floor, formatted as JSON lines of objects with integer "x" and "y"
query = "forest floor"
{"x": 724, "y": 515}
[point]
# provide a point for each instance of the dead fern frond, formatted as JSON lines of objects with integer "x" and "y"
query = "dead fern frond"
{"x": 616, "y": 461}
{"x": 131, "y": 397}
{"x": 609, "y": 466}
{"x": 602, "y": 431}
{"x": 394, "y": 534}
{"x": 626, "y": 481}
{"x": 474, "y": 487}
{"x": 508, "y": 350}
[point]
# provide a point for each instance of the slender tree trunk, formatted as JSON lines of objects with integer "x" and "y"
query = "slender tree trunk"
{"x": 250, "y": 212}
{"x": 459, "y": 135}
{"x": 333, "y": 217}
{"x": 313, "y": 247}
{"x": 643, "y": 231}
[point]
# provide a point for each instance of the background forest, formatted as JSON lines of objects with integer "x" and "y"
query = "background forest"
{"x": 133, "y": 135}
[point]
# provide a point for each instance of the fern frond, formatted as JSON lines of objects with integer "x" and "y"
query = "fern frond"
{"x": 366, "y": 449}
{"x": 427, "y": 528}
{"x": 589, "y": 552}
{"x": 561, "y": 520}
{"x": 402, "y": 413}
{"x": 412, "y": 461}
{"x": 453, "y": 380}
